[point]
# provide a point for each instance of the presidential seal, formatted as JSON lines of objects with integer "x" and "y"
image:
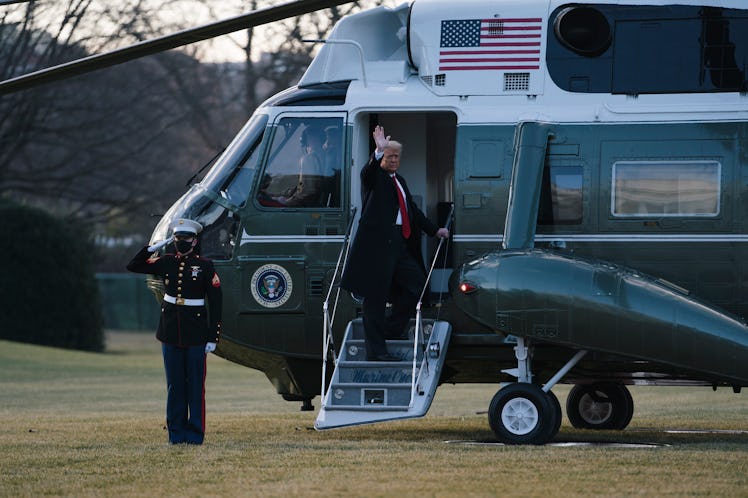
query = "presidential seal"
{"x": 271, "y": 285}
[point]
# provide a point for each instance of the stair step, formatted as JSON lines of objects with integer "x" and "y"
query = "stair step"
{"x": 375, "y": 372}
{"x": 369, "y": 408}
{"x": 374, "y": 364}
{"x": 368, "y": 385}
{"x": 363, "y": 391}
{"x": 356, "y": 351}
{"x": 357, "y": 330}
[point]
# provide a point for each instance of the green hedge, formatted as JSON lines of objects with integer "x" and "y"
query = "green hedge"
{"x": 48, "y": 293}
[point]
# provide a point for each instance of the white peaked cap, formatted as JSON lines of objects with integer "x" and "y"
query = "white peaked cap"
{"x": 183, "y": 225}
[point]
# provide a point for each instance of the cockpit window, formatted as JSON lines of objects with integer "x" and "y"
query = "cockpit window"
{"x": 304, "y": 164}
{"x": 232, "y": 176}
{"x": 215, "y": 201}
{"x": 220, "y": 225}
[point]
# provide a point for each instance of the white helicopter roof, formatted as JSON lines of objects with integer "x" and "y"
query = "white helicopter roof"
{"x": 443, "y": 42}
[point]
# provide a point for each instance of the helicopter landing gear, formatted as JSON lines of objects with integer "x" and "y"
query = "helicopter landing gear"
{"x": 557, "y": 411}
{"x": 306, "y": 405}
{"x": 600, "y": 406}
{"x": 523, "y": 412}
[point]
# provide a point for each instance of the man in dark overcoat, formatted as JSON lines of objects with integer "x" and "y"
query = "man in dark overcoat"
{"x": 385, "y": 261}
{"x": 189, "y": 327}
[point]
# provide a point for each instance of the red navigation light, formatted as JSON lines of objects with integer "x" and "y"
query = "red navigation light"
{"x": 467, "y": 288}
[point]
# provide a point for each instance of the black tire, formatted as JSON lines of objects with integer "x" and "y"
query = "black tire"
{"x": 522, "y": 413}
{"x": 625, "y": 419}
{"x": 600, "y": 406}
{"x": 556, "y": 405}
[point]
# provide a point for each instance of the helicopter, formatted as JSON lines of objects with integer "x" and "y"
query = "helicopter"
{"x": 589, "y": 157}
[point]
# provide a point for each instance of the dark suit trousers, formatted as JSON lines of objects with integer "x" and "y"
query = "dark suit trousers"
{"x": 405, "y": 288}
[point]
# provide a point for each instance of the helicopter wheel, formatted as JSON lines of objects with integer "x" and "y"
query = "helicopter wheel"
{"x": 600, "y": 406}
{"x": 522, "y": 413}
{"x": 556, "y": 412}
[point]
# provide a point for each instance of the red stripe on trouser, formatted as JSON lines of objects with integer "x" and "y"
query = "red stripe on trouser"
{"x": 202, "y": 413}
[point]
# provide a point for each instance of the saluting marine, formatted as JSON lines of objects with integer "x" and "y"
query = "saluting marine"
{"x": 188, "y": 329}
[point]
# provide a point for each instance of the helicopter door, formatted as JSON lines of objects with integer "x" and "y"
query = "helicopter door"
{"x": 427, "y": 164}
{"x": 293, "y": 229}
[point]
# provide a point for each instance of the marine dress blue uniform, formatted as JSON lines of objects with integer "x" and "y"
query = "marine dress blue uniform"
{"x": 185, "y": 327}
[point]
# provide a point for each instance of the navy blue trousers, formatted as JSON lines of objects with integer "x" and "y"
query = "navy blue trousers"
{"x": 185, "y": 393}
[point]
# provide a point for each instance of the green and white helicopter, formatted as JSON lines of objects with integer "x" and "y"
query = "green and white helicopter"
{"x": 590, "y": 158}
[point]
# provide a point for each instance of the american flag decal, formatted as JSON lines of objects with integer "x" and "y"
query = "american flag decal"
{"x": 490, "y": 44}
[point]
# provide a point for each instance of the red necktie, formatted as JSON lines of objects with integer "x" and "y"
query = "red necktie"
{"x": 403, "y": 211}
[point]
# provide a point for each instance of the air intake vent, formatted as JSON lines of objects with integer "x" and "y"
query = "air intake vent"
{"x": 429, "y": 80}
{"x": 315, "y": 286}
{"x": 311, "y": 230}
{"x": 441, "y": 79}
{"x": 516, "y": 82}
{"x": 495, "y": 27}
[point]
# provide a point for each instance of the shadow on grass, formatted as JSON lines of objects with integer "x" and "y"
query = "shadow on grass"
{"x": 475, "y": 432}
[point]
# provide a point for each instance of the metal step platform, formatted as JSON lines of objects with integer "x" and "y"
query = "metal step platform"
{"x": 363, "y": 392}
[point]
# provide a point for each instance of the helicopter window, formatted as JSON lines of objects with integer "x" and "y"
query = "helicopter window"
{"x": 304, "y": 164}
{"x": 220, "y": 225}
{"x": 232, "y": 175}
{"x": 665, "y": 188}
{"x": 561, "y": 196}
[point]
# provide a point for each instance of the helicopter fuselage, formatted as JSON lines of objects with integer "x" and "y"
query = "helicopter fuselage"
{"x": 639, "y": 163}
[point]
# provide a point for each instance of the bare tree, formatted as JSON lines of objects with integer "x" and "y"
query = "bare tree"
{"x": 117, "y": 145}
{"x": 85, "y": 146}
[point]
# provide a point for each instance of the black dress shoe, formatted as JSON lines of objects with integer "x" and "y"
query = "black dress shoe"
{"x": 384, "y": 357}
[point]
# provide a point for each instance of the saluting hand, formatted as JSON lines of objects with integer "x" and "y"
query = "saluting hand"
{"x": 158, "y": 245}
{"x": 379, "y": 138}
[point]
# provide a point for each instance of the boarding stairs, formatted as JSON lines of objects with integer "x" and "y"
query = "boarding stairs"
{"x": 361, "y": 391}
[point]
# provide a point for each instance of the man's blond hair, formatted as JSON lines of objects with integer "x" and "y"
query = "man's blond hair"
{"x": 394, "y": 145}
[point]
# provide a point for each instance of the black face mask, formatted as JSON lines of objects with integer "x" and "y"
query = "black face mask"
{"x": 183, "y": 246}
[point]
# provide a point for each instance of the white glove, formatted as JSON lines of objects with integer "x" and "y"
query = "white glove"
{"x": 210, "y": 347}
{"x": 158, "y": 245}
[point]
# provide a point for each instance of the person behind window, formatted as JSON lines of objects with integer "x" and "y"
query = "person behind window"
{"x": 333, "y": 159}
{"x": 309, "y": 189}
{"x": 263, "y": 196}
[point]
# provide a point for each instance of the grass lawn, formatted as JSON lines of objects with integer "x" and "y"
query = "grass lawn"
{"x": 85, "y": 424}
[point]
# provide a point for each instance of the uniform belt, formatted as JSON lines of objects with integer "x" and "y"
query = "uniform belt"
{"x": 183, "y": 302}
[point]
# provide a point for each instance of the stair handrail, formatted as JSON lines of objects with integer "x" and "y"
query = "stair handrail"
{"x": 328, "y": 342}
{"x": 418, "y": 333}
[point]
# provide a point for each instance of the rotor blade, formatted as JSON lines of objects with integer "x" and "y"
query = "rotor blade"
{"x": 167, "y": 42}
